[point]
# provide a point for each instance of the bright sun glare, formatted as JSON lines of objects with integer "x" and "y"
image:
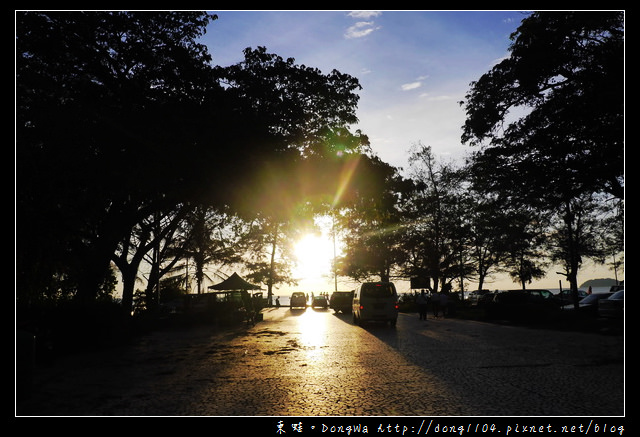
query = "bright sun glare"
{"x": 314, "y": 255}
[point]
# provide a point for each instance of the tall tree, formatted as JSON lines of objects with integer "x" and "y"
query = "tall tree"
{"x": 578, "y": 233}
{"x": 483, "y": 222}
{"x": 549, "y": 119}
{"x": 150, "y": 235}
{"x": 269, "y": 256}
{"x": 370, "y": 220}
{"x": 308, "y": 114}
{"x": 209, "y": 237}
{"x": 554, "y": 109}
{"x": 432, "y": 213}
{"x": 106, "y": 101}
{"x": 285, "y": 93}
{"x": 103, "y": 100}
{"x": 523, "y": 239}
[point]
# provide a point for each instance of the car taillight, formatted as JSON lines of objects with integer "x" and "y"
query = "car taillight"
{"x": 397, "y": 306}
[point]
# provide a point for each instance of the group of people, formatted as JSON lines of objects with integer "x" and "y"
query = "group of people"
{"x": 439, "y": 303}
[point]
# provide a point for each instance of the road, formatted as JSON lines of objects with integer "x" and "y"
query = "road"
{"x": 314, "y": 362}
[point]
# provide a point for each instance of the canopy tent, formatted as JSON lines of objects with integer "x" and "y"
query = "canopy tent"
{"x": 234, "y": 283}
{"x": 250, "y": 305}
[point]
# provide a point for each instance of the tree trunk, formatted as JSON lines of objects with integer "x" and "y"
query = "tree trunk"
{"x": 128, "y": 275}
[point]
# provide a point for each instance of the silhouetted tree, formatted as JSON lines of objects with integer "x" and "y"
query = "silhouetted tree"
{"x": 370, "y": 221}
{"x": 549, "y": 119}
{"x": 120, "y": 115}
{"x": 431, "y": 214}
{"x": 579, "y": 233}
{"x": 308, "y": 112}
{"x": 479, "y": 235}
{"x": 151, "y": 235}
{"x": 209, "y": 237}
{"x": 269, "y": 257}
{"x": 104, "y": 99}
{"x": 523, "y": 240}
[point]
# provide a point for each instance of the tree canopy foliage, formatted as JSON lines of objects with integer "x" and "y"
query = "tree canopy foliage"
{"x": 548, "y": 122}
{"x": 104, "y": 103}
{"x": 551, "y": 115}
{"x": 121, "y": 115}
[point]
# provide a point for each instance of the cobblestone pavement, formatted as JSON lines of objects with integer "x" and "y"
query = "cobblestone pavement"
{"x": 317, "y": 363}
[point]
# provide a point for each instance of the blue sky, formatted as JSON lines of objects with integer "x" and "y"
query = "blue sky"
{"x": 414, "y": 66}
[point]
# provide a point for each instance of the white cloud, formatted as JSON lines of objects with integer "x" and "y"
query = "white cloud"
{"x": 364, "y": 14}
{"x": 411, "y": 86}
{"x": 360, "y": 29}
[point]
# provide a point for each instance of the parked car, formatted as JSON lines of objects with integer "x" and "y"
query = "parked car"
{"x": 375, "y": 302}
{"x": 320, "y": 301}
{"x": 522, "y": 304}
{"x": 485, "y": 299}
{"x": 613, "y": 306}
{"x": 566, "y": 297}
{"x": 587, "y": 305}
{"x": 298, "y": 300}
{"x": 341, "y": 301}
{"x": 475, "y": 296}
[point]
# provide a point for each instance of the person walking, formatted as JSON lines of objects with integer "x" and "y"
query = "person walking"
{"x": 422, "y": 302}
{"x": 444, "y": 303}
{"x": 435, "y": 304}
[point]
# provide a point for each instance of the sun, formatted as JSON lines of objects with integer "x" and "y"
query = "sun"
{"x": 314, "y": 255}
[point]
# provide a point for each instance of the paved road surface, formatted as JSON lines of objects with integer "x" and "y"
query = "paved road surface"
{"x": 317, "y": 363}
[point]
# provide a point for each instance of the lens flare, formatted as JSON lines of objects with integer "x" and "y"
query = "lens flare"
{"x": 347, "y": 173}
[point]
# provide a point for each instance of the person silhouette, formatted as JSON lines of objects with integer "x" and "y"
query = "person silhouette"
{"x": 435, "y": 304}
{"x": 422, "y": 305}
{"x": 444, "y": 303}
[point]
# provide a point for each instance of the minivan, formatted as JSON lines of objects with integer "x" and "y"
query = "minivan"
{"x": 298, "y": 300}
{"x": 375, "y": 302}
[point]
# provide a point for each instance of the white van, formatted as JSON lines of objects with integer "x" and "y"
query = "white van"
{"x": 375, "y": 302}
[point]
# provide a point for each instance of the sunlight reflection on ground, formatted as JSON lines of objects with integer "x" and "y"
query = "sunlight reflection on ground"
{"x": 313, "y": 332}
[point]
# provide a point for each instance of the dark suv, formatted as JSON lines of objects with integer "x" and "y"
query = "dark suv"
{"x": 522, "y": 304}
{"x": 341, "y": 301}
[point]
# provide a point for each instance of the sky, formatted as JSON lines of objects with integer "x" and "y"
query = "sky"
{"x": 414, "y": 68}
